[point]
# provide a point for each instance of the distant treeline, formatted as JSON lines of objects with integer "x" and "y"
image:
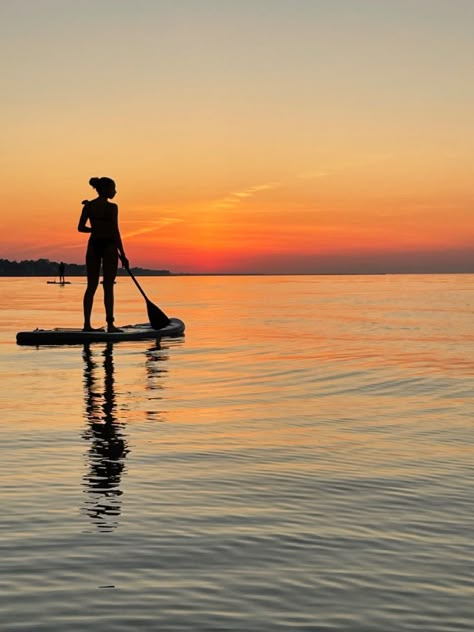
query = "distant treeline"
{"x": 45, "y": 267}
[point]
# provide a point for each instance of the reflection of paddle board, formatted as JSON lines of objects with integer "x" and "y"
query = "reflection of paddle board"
{"x": 59, "y": 282}
{"x": 63, "y": 336}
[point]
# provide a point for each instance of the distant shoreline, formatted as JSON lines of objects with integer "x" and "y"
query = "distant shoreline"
{"x": 47, "y": 268}
{"x": 155, "y": 273}
{"x": 50, "y": 269}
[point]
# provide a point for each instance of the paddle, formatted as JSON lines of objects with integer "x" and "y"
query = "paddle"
{"x": 158, "y": 319}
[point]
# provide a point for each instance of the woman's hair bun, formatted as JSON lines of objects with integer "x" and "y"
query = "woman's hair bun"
{"x": 103, "y": 186}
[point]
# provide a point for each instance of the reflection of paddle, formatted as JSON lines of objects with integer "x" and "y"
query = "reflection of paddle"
{"x": 158, "y": 319}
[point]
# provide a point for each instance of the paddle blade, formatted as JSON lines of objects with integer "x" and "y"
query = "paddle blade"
{"x": 158, "y": 319}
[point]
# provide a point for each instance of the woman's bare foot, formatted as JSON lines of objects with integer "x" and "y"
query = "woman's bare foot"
{"x": 113, "y": 329}
{"x": 85, "y": 328}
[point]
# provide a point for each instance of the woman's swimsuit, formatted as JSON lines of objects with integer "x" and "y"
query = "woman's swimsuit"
{"x": 100, "y": 245}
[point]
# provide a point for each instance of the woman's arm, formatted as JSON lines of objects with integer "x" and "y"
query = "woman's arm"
{"x": 118, "y": 238}
{"x": 81, "y": 227}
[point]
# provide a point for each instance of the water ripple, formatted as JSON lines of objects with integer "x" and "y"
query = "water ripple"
{"x": 306, "y": 467}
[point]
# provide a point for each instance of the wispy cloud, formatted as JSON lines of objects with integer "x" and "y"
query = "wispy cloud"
{"x": 44, "y": 250}
{"x": 152, "y": 227}
{"x": 235, "y": 198}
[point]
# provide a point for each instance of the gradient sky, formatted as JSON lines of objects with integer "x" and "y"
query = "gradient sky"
{"x": 244, "y": 136}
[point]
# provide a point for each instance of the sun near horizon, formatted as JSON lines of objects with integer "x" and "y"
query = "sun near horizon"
{"x": 267, "y": 137}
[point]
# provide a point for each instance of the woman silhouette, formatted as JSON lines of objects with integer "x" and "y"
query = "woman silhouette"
{"x": 104, "y": 247}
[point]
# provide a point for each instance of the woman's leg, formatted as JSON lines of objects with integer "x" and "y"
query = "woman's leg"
{"x": 109, "y": 271}
{"x": 93, "y": 273}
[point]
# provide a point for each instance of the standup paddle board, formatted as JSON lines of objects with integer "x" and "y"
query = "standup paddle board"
{"x": 59, "y": 282}
{"x": 61, "y": 336}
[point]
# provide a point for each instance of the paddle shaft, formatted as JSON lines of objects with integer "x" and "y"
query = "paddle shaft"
{"x": 138, "y": 285}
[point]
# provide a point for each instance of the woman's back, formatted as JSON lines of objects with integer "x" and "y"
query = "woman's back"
{"x": 103, "y": 218}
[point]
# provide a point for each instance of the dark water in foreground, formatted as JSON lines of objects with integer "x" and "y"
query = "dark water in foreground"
{"x": 302, "y": 460}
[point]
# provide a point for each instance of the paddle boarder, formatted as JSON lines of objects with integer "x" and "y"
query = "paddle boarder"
{"x": 99, "y": 217}
{"x": 61, "y": 272}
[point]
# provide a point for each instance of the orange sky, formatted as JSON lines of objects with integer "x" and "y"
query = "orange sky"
{"x": 260, "y": 136}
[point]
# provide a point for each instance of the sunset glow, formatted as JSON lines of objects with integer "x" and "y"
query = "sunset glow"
{"x": 264, "y": 136}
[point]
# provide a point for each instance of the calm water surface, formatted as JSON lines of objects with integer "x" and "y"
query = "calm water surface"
{"x": 301, "y": 460}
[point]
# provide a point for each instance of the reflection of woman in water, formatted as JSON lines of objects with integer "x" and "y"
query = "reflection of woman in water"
{"x": 104, "y": 247}
{"x": 108, "y": 446}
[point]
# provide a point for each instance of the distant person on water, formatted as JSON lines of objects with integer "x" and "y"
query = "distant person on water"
{"x": 104, "y": 248}
{"x": 61, "y": 273}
